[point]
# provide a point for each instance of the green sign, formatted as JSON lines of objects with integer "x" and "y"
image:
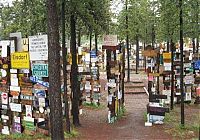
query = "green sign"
{"x": 40, "y": 70}
{"x": 29, "y": 125}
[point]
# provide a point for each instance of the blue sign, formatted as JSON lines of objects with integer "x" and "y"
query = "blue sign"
{"x": 197, "y": 65}
{"x": 36, "y": 80}
{"x": 93, "y": 54}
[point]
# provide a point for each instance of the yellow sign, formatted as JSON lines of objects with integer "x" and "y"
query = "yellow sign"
{"x": 166, "y": 55}
{"x": 5, "y": 66}
{"x": 154, "y": 74}
{"x": 20, "y": 60}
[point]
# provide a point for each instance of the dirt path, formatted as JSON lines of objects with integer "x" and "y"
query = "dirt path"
{"x": 130, "y": 127}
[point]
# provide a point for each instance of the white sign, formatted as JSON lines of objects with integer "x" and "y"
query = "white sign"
{"x": 14, "y": 82}
{"x": 14, "y": 88}
{"x": 4, "y": 44}
{"x": 4, "y": 98}
{"x": 28, "y": 111}
{"x": 15, "y": 107}
{"x": 38, "y": 47}
{"x": 110, "y": 40}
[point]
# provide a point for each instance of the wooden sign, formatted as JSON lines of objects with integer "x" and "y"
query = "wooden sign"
{"x": 14, "y": 93}
{"x": 150, "y": 53}
{"x": 154, "y": 74}
{"x": 26, "y": 91}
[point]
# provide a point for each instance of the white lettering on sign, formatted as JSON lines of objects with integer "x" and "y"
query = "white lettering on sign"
{"x": 38, "y": 47}
{"x": 36, "y": 80}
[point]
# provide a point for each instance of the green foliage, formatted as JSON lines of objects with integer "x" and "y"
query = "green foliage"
{"x": 28, "y": 17}
{"x": 72, "y": 134}
{"x": 160, "y": 16}
{"x": 174, "y": 127}
{"x": 121, "y": 112}
{"x": 93, "y": 105}
{"x": 19, "y": 136}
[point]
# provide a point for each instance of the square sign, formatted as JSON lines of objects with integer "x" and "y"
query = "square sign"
{"x": 40, "y": 70}
{"x": 20, "y": 60}
{"x": 38, "y": 47}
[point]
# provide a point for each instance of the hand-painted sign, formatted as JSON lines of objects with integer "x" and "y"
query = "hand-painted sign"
{"x": 36, "y": 80}
{"x": 110, "y": 40}
{"x": 38, "y": 47}
{"x": 20, "y": 60}
{"x": 40, "y": 70}
{"x": 17, "y": 127}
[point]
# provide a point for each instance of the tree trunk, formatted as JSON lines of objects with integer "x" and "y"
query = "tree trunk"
{"x": 90, "y": 40}
{"x": 167, "y": 45}
{"x": 137, "y": 54}
{"x": 197, "y": 45}
{"x": 193, "y": 45}
{"x": 64, "y": 53}
{"x": 79, "y": 38}
{"x": 56, "y": 118}
{"x": 172, "y": 75}
{"x": 127, "y": 45}
{"x": 96, "y": 42}
{"x": 74, "y": 73}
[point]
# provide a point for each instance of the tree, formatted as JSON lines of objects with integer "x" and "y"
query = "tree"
{"x": 56, "y": 118}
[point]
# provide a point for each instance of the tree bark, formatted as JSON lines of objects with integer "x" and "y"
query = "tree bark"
{"x": 74, "y": 73}
{"x": 64, "y": 53}
{"x": 96, "y": 42}
{"x": 79, "y": 37}
{"x": 127, "y": 45}
{"x": 56, "y": 118}
{"x": 137, "y": 54}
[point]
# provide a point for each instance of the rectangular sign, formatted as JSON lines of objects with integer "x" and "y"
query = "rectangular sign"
{"x": 38, "y": 47}
{"x": 110, "y": 40}
{"x": 25, "y": 44}
{"x": 40, "y": 70}
{"x": 166, "y": 55}
{"x": 20, "y": 60}
{"x": 15, "y": 107}
{"x": 36, "y": 80}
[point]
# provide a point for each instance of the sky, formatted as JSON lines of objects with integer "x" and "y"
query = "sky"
{"x": 6, "y": 1}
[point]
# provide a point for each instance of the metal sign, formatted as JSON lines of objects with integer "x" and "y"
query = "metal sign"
{"x": 38, "y": 47}
{"x": 40, "y": 70}
{"x": 197, "y": 65}
{"x": 20, "y": 60}
{"x": 36, "y": 80}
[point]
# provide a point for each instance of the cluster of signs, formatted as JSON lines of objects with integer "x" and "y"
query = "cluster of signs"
{"x": 89, "y": 74}
{"x": 22, "y": 87}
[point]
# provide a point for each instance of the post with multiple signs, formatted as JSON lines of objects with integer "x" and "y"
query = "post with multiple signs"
{"x": 115, "y": 75}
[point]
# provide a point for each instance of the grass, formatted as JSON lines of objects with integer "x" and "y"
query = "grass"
{"x": 189, "y": 130}
{"x": 18, "y": 136}
{"x": 72, "y": 134}
{"x": 121, "y": 112}
{"x": 145, "y": 116}
{"x": 93, "y": 105}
